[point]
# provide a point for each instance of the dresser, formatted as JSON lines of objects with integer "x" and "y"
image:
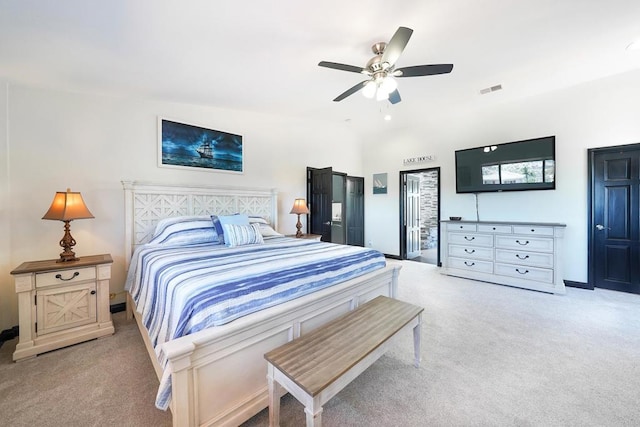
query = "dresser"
{"x": 62, "y": 303}
{"x": 520, "y": 254}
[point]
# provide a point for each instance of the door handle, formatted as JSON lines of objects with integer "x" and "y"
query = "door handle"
{"x": 601, "y": 227}
{"x": 327, "y": 223}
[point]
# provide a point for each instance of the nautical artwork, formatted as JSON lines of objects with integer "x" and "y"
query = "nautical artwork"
{"x": 379, "y": 183}
{"x": 193, "y": 146}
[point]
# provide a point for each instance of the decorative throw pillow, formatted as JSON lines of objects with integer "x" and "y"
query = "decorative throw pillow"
{"x": 220, "y": 220}
{"x": 184, "y": 230}
{"x": 239, "y": 235}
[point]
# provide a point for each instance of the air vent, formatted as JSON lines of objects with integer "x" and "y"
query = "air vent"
{"x": 490, "y": 89}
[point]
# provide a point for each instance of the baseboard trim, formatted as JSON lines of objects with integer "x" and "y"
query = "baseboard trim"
{"x": 392, "y": 257}
{"x": 580, "y": 285}
{"x": 116, "y": 308}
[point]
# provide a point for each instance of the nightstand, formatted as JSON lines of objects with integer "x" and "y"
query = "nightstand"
{"x": 307, "y": 236}
{"x": 62, "y": 303}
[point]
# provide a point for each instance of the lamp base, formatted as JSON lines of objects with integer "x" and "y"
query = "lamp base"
{"x": 67, "y": 242}
{"x": 299, "y": 227}
{"x": 68, "y": 256}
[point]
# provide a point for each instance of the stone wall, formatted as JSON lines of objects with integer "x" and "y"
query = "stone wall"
{"x": 429, "y": 209}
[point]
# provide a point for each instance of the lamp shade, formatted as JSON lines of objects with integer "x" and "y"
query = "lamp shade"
{"x": 67, "y": 206}
{"x": 299, "y": 207}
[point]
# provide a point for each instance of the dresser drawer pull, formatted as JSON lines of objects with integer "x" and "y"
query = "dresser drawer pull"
{"x": 75, "y": 274}
{"x": 469, "y": 264}
{"x": 522, "y": 257}
{"x": 469, "y": 251}
{"x": 523, "y": 244}
{"x": 522, "y": 272}
{"x": 469, "y": 239}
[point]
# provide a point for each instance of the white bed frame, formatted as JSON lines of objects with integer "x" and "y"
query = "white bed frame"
{"x": 219, "y": 374}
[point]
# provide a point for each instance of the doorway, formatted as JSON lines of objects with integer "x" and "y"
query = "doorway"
{"x": 420, "y": 215}
{"x": 614, "y": 220}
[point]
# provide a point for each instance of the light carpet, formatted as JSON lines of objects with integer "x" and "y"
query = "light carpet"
{"x": 491, "y": 356}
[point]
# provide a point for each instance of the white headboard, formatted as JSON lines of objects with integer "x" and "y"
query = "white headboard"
{"x": 147, "y": 203}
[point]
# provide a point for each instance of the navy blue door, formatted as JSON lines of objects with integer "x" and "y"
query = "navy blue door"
{"x": 615, "y": 221}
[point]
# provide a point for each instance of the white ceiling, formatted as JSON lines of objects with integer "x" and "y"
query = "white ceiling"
{"x": 263, "y": 55}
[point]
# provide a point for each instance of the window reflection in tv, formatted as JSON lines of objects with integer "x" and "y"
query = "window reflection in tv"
{"x": 521, "y": 165}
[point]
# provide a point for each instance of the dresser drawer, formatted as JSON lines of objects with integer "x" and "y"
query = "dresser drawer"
{"x": 472, "y": 239}
{"x": 471, "y": 265}
{"x": 65, "y": 277}
{"x": 525, "y": 243}
{"x": 495, "y": 228}
{"x": 461, "y": 226}
{"x": 471, "y": 252}
{"x": 533, "y": 230}
{"x": 538, "y": 259}
{"x": 526, "y": 272}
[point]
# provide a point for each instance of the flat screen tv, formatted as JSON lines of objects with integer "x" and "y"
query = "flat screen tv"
{"x": 513, "y": 166}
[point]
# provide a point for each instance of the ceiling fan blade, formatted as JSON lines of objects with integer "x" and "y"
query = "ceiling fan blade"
{"x": 394, "y": 97}
{"x": 350, "y": 91}
{"x": 396, "y": 45}
{"x": 343, "y": 67}
{"x": 423, "y": 70}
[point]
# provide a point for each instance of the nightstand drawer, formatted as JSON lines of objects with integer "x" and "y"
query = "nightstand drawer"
{"x": 65, "y": 277}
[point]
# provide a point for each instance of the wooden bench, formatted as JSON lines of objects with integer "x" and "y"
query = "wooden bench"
{"x": 316, "y": 366}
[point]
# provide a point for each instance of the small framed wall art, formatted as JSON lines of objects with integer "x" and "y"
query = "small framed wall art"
{"x": 186, "y": 145}
{"x": 379, "y": 183}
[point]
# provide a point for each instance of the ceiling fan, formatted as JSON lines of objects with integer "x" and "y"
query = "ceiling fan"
{"x": 381, "y": 69}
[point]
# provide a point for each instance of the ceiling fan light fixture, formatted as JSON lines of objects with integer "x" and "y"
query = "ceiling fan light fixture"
{"x": 369, "y": 89}
{"x": 381, "y": 95}
{"x": 389, "y": 84}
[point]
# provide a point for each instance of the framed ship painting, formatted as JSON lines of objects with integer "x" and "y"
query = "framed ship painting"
{"x": 185, "y": 145}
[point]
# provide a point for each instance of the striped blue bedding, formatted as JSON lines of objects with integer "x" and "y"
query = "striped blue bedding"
{"x": 183, "y": 289}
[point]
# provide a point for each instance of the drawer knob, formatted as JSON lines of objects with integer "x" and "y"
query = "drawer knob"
{"x": 469, "y": 251}
{"x": 93, "y": 292}
{"x": 469, "y": 239}
{"x": 75, "y": 274}
{"x": 469, "y": 264}
{"x": 522, "y": 257}
{"x": 533, "y": 230}
{"x": 522, "y": 272}
{"x": 523, "y": 244}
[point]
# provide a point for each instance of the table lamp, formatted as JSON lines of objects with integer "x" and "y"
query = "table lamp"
{"x": 299, "y": 207}
{"x": 66, "y": 207}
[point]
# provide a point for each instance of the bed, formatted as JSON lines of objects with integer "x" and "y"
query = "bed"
{"x": 217, "y": 375}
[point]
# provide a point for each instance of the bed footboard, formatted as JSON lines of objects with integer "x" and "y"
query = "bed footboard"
{"x": 219, "y": 374}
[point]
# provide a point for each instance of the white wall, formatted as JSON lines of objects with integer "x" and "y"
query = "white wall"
{"x": 9, "y": 302}
{"x": 91, "y": 143}
{"x": 597, "y": 114}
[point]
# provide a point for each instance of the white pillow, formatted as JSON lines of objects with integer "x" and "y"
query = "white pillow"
{"x": 184, "y": 230}
{"x": 267, "y": 231}
{"x": 265, "y": 227}
{"x": 239, "y": 235}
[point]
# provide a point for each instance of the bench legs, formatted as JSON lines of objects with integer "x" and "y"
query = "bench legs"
{"x": 274, "y": 398}
{"x": 313, "y": 411}
{"x": 314, "y": 420}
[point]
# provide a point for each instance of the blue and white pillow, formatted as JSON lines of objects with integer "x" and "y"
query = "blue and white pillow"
{"x": 184, "y": 230}
{"x": 219, "y": 220}
{"x": 240, "y": 235}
